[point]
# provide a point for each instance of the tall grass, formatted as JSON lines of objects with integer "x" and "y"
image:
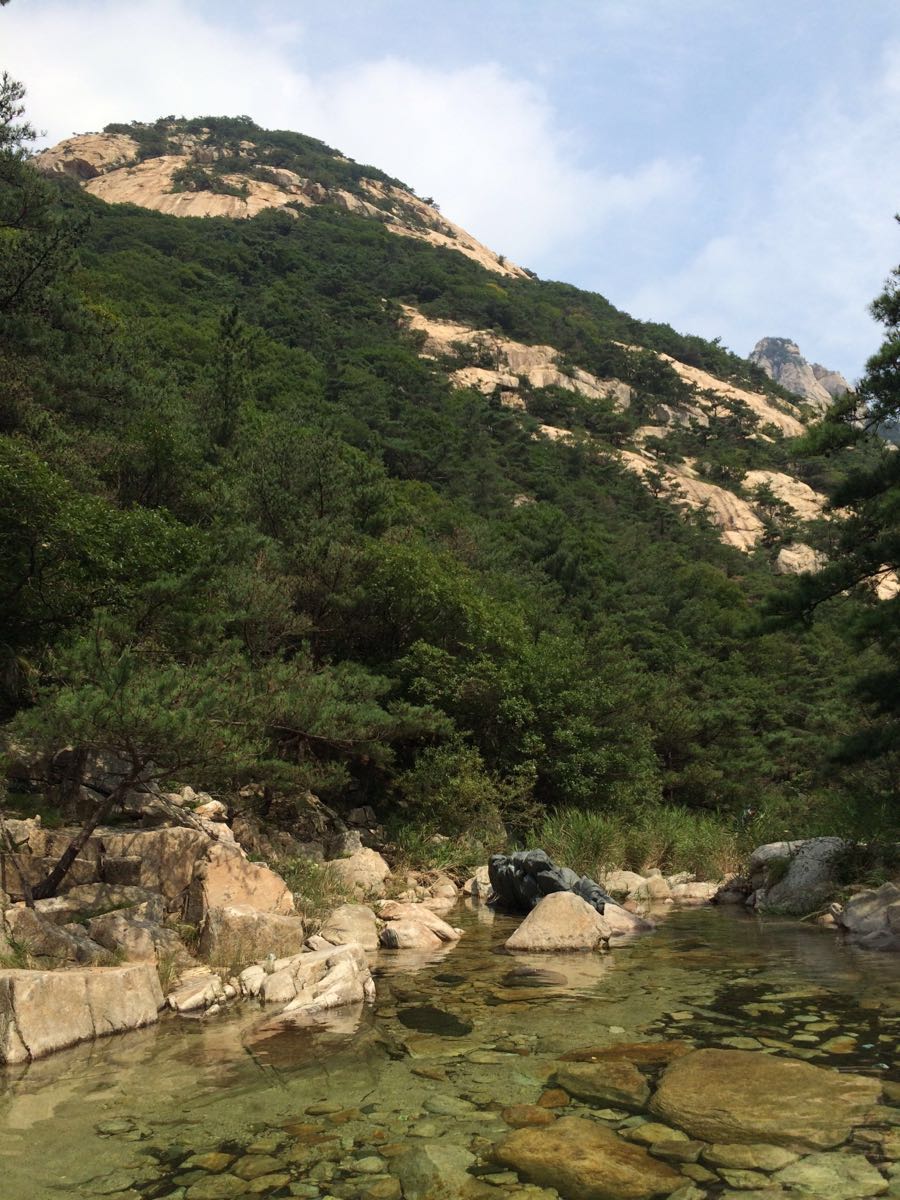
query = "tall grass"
{"x": 670, "y": 838}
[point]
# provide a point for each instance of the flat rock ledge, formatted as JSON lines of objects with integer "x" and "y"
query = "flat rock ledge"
{"x": 44, "y": 1011}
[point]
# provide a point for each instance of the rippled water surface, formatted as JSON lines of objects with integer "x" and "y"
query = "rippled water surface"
{"x": 454, "y": 1037}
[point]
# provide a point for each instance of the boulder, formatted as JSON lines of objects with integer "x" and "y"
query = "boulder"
{"x": 167, "y": 858}
{"x": 234, "y": 934}
{"x": 137, "y": 933}
{"x": 43, "y": 1011}
{"x": 394, "y": 910}
{"x": 796, "y": 877}
{"x": 212, "y": 810}
{"x": 622, "y": 884}
{"x": 322, "y": 980}
{"x": 694, "y": 893}
{"x": 224, "y": 878}
{"x": 409, "y": 935}
{"x": 90, "y": 898}
{"x": 46, "y": 944}
{"x": 201, "y": 988}
{"x": 479, "y": 886}
{"x": 872, "y": 917}
{"x": 747, "y": 1096}
{"x": 363, "y": 873}
{"x": 585, "y": 1160}
{"x": 561, "y": 921}
{"x": 611, "y": 1082}
{"x": 351, "y": 923}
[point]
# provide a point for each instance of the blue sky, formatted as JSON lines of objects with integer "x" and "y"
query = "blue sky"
{"x": 729, "y": 166}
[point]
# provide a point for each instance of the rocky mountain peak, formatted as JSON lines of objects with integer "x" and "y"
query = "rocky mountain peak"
{"x": 782, "y": 361}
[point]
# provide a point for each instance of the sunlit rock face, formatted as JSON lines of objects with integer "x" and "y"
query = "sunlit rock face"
{"x": 782, "y": 361}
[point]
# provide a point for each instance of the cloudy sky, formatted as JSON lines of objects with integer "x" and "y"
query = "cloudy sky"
{"x": 728, "y": 166}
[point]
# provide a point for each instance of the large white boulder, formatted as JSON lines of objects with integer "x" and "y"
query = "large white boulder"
{"x": 43, "y": 1011}
{"x": 351, "y": 923}
{"x": 796, "y": 877}
{"x": 421, "y": 914}
{"x": 561, "y": 921}
{"x": 225, "y": 878}
{"x": 363, "y": 873}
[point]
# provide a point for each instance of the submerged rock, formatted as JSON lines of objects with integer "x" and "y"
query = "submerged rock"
{"x": 837, "y": 1176}
{"x": 615, "y": 1082}
{"x": 584, "y": 1160}
{"x": 746, "y": 1096}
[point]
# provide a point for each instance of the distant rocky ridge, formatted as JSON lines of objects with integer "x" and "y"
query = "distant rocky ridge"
{"x": 782, "y": 361}
{"x": 236, "y": 178}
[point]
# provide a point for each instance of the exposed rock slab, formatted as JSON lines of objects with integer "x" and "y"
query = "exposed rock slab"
{"x": 743, "y": 1096}
{"x": 561, "y": 921}
{"x": 584, "y": 1160}
{"x": 235, "y": 934}
{"x": 225, "y": 878}
{"x": 167, "y": 858}
{"x": 44, "y": 1011}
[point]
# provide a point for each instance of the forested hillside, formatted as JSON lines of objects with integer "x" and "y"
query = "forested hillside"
{"x": 257, "y": 530}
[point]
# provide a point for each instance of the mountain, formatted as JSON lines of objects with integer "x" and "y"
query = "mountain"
{"x": 311, "y": 487}
{"x": 230, "y": 168}
{"x": 782, "y": 361}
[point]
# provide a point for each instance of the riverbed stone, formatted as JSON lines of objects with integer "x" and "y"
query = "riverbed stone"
{"x": 837, "y": 1176}
{"x": 216, "y": 1187}
{"x": 523, "y": 1116}
{"x": 615, "y": 1081}
{"x": 645, "y": 1054}
{"x": 561, "y": 921}
{"x": 435, "y": 1170}
{"x": 584, "y": 1160}
{"x": 752, "y": 1156}
{"x": 742, "y": 1096}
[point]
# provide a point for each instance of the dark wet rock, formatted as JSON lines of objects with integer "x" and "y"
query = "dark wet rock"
{"x": 743, "y": 1096}
{"x": 520, "y": 880}
{"x": 426, "y": 1018}
{"x": 523, "y": 1116}
{"x": 529, "y": 977}
{"x": 584, "y": 1160}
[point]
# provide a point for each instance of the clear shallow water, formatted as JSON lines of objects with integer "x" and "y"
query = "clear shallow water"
{"x": 469, "y": 1023}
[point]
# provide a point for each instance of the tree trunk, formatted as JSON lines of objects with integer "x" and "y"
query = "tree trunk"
{"x": 50, "y": 885}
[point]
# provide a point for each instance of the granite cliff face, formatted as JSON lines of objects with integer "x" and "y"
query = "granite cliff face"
{"x": 220, "y": 167}
{"x": 782, "y": 361}
{"x": 199, "y": 172}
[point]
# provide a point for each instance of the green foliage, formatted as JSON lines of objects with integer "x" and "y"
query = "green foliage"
{"x": 317, "y": 889}
{"x": 251, "y": 533}
{"x": 666, "y": 837}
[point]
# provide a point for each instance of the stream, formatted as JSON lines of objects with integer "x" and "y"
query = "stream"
{"x": 454, "y": 1037}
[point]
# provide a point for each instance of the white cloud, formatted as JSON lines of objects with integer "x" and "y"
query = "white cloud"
{"x": 805, "y": 252}
{"x": 483, "y": 143}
